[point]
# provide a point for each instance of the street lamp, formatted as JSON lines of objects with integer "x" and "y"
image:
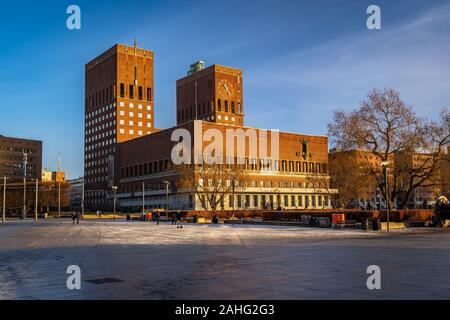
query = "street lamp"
{"x": 167, "y": 183}
{"x": 233, "y": 186}
{"x": 4, "y": 200}
{"x": 114, "y": 189}
{"x": 36, "y": 202}
{"x": 25, "y": 160}
{"x": 385, "y": 165}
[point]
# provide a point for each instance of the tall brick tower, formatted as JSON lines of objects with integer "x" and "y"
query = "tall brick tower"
{"x": 211, "y": 94}
{"x": 119, "y": 101}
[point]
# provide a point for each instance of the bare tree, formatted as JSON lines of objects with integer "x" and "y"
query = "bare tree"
{"x": 386, "y": 127}
{"x": 347, "y": 179}
{"x": 211, "y": 182}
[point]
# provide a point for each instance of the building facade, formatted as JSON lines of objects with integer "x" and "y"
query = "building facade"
{"x": 53, "y": 176}
{"x": 213, "y": 94}
{"x": 119, "y": 106}
{"x": 76, "y": 193}
{"x": 125, "y": 153}
{"x": 296, "y": 179}
{"x": 15, "y": 152}
{"x": 366, "y": 193}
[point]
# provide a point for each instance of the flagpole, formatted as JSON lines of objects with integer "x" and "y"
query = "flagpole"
{"x": 59, "y": 186}
{"x": 25, "y": 158}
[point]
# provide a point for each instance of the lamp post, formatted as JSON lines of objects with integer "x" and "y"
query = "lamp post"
{"x": 233, "y": 187}
{"x": 143, "y": 199}
{"x": 114, "y": 189}
{"x": 385, "y": 165}
{"x": 4, "y": 200}
{"x": 167, "y": 183}
{"x": 36, "y": 202}
{"x": 25, "y": 159}
{"x": 82, "y": 200}
{"x": 59, "y": 187}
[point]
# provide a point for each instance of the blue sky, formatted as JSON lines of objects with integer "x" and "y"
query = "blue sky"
{"x": 301, "y": 59}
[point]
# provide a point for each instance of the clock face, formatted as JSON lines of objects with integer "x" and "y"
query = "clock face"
{"x": 225, "y": 88}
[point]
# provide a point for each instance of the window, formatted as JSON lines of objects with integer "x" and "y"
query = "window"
{"x": 122, "y": 90}
{"x": 149, "y": 94}
{"x": 140, "y": 93}
{"x": 232, "y": 107}
{"x": 226, "y": 105}
{"x": 300, "y": 201}
{"x": 219, "y": 105}
{"x": 231, "y": 200}
{"x": 131, "y": 91}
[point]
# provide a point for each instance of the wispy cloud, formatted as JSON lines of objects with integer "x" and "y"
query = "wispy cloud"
{"x": 412, "y": 57}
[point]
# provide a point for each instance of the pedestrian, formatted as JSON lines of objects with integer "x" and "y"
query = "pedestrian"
{"x": 179, "y": 221}
{"x": 174, "y": 219}
{"x": 157, "y": 218}
{"x": 73, "y": 217}
{"x": 78, "y": 216}
{"x": 98, "y": 213}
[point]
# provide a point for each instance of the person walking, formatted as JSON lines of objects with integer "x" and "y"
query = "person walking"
{"x": 157, "y": 218}
{"x": 174, "y": 219}
{"x": 73, "y": 217}
{"x": 179, "y": 221}
{"x": 78, "y": 216}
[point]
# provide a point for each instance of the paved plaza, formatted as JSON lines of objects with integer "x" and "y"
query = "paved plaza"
{"x": 140, "y": 260}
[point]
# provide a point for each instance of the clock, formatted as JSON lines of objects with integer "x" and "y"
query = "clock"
{"x": 225, "y": 88}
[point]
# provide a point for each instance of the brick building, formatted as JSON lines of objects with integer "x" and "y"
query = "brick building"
{"x": 211, "y": 94}
{"x": 124, "y": 150}
{"x": 290, "y": 181}
{"x": 119, "y": 101}
{"x": 12, "y": 151}
{"x": 368, "y": 195}
{"x": 53, "y": 176}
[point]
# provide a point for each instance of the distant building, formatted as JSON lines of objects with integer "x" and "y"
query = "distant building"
{"x": 76, "y": 192}
{"x": 53, "y": 176}
{"x": 15, "y": 152}
{"x": 369, "y": 195}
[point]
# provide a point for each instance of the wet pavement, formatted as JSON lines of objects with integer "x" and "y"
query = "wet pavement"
{"x": 140, "y": 260}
